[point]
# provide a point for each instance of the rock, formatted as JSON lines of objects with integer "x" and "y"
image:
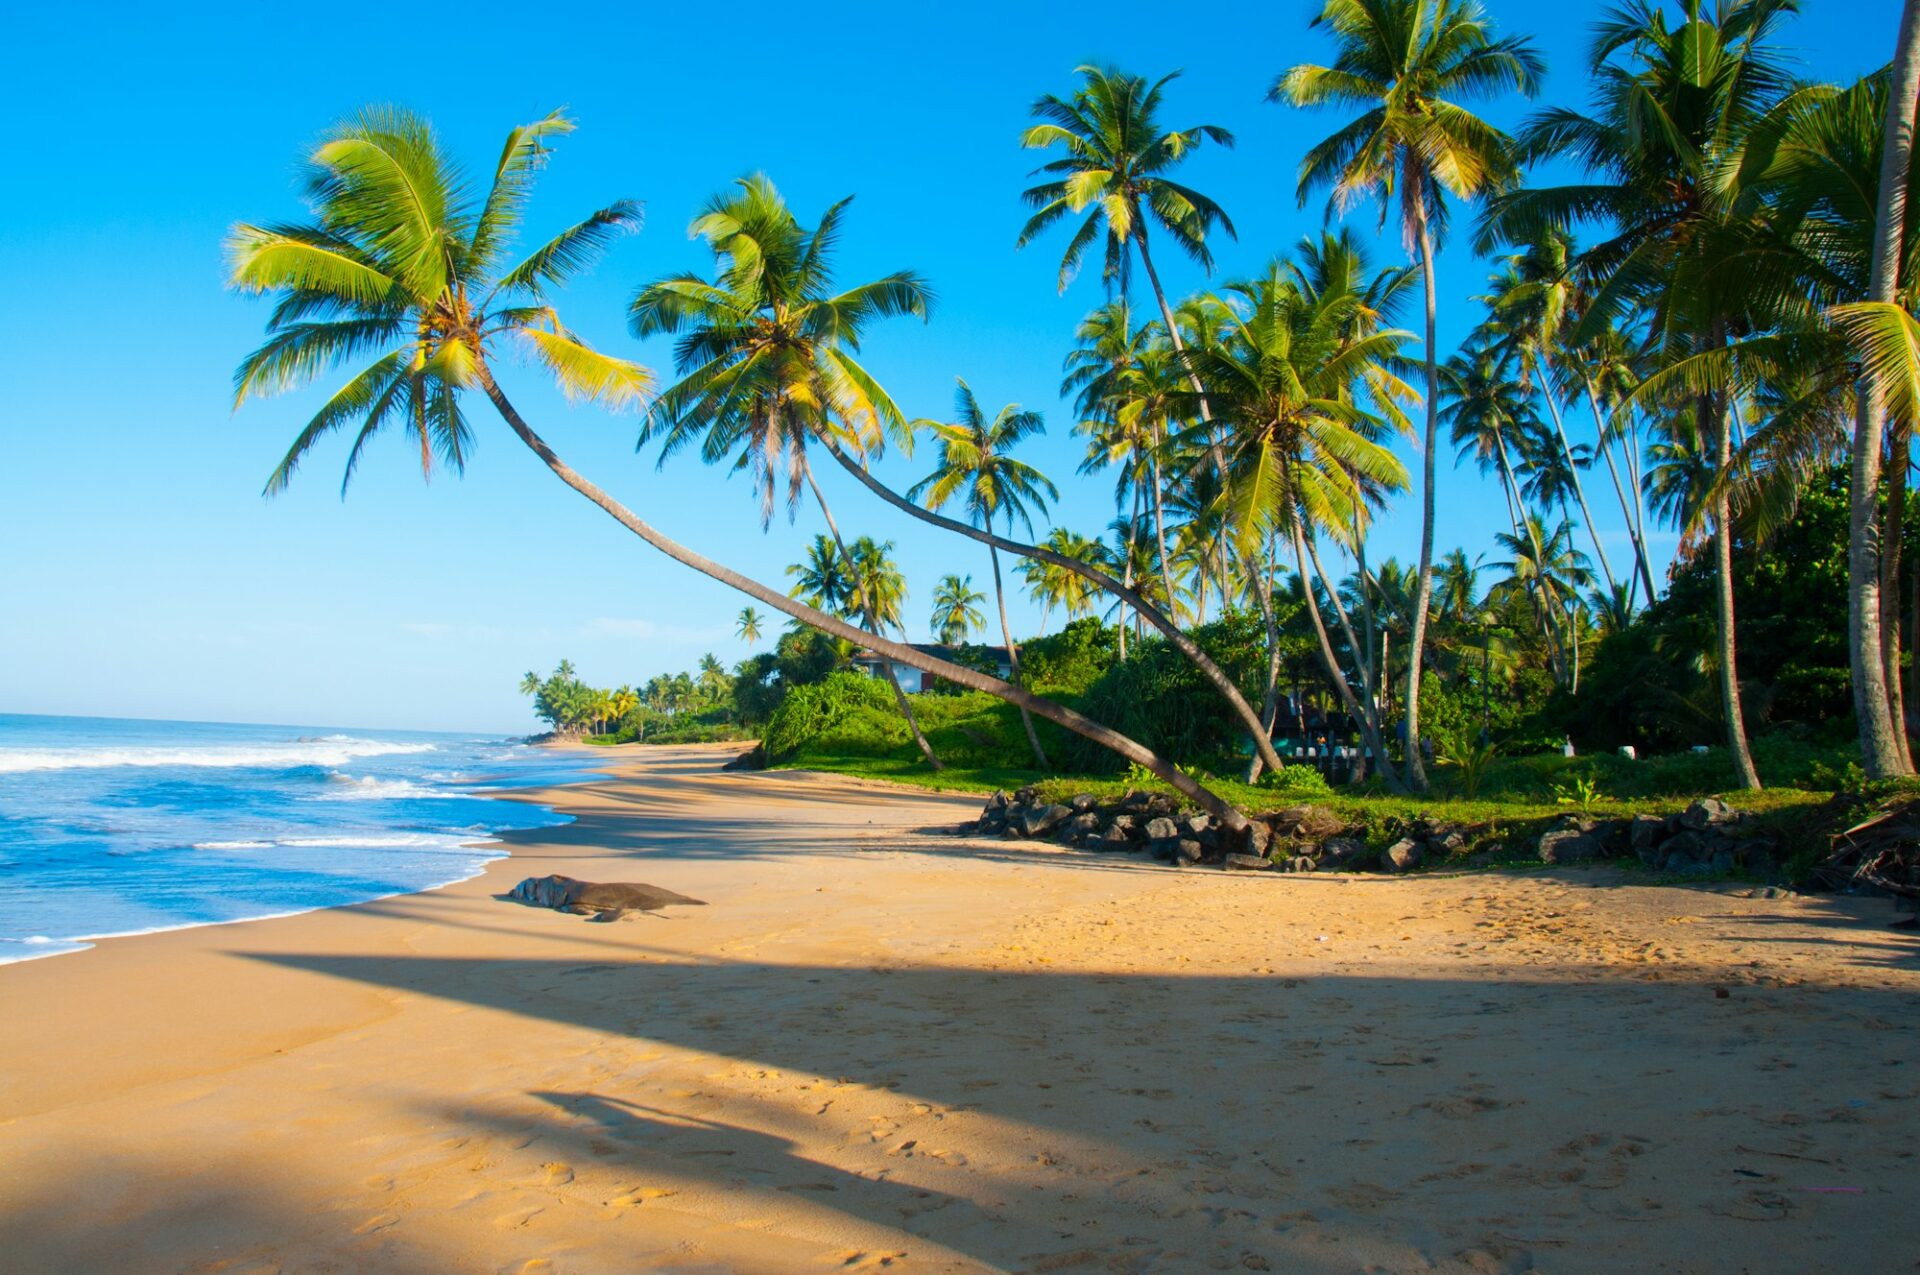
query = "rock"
{"x": 1569, "y": 845}
{"x": 1723, "y": 861}
{"x": 1136, "y": 801}
{"x": 1083, "y": 802}
{"x": 1248, "y": 863}
{"x": 999, "y": 801}
{"x": 1403, "y": 855}
{"x": 1308, "y": 823}
{"x": 1706, "y": 813}
{"x": 1038, "y": 821}
{"x": 1122, "y": 824}
{"x": 1187, "y": 850}
{"x": 1116, "y": 838}
{"x": 1194, "y": 825}
{"x": 1645, "y": 832}
{"x": 1161, "y": 804}
{"x": 1162, "y": 829}
{"x": 1026, "y": 796}
{"x": 1447, "y": 842}
{"x": 1301, "y": 863}
{"x": 1681, "y": 865}
{"x": 1684, "y": 844}
{"x": 1345, "y": 854}
{"x": 752, "y": 759}
{"x": 1080, "y": 828}
{"x": 1259, "y": 838}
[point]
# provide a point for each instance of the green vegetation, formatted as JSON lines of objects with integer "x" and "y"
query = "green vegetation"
{"x": 1228, "y": 636}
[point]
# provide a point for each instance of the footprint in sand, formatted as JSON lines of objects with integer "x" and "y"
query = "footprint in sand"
{"x": 558, "y": 1174}
{"x": 858, "y": 1260}
{"x": 518, "y": 1218}
{"x": 379, "y": 1223}
{"x": 638, "y": 1196}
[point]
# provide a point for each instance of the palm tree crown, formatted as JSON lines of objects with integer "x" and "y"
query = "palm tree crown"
{"x": 401, "y": 265}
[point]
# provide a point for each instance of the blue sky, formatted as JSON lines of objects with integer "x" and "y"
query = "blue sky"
{"x": 144, "y": 575}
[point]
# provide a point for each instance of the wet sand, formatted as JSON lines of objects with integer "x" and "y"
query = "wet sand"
{"x": 877, "y": 1049}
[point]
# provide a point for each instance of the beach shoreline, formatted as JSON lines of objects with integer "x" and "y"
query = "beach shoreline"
{"x": 876, "y": 1048}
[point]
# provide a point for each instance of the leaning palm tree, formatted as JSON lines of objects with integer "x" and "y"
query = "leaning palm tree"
{"x": 767, "y": 354}
{"x": 1408, "y": 64}
{"x": 747, "y": 625}
{"x": 956, "y": 609}
{"x": 976, "y": 466}
{"x": 398, "y": 264}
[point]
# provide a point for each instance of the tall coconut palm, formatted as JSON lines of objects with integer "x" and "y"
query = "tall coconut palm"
{"x": 1674, "y": 104}
{"x": 1409, "y": 64}
{"x": 956, "y": 609}
{"x": 1115, "y": 170}
{"x": 767, "y": 356}
{"x": 975, "y": 465}
{"x": 748, "y": 625}
{"x": 400, "y": 265}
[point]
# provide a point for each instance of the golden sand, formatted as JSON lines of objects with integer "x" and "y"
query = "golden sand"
{"x": 877, "y": 1049}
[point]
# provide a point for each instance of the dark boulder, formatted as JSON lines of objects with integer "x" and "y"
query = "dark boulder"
{"x": 1403, "y": 855}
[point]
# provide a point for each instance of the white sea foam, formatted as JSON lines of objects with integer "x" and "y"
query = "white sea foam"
{"x": 374, "y": 788}
{"x": 439, "y": 842}
{"x": 330, "y": 750}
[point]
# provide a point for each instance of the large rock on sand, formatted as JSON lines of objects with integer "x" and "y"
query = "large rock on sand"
{"x": 607, "y": 901}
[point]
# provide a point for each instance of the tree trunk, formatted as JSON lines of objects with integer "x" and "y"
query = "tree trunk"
{"x": 1892, "y": 545}
{"x": 1270, "y": 698}
{"x": 1879, "y": 744}
{"x": 1334, "y": 672}
{"x": 1423, "y": 589}
{"x": 866, "y": 609}
{"x": 1160, "y": 520}
{"x": 1013, "y": 658}
{"x": 1579, "y": 488}
{"x": 1125, "y": 592}
{"x": 1719, "y": 427}
{"x": 1362, "y": 657}
{"x": 1626, "y": 511}
{"x": 960, "y": 675}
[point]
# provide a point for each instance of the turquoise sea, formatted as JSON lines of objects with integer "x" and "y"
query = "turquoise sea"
{"x": 112, "y": 826}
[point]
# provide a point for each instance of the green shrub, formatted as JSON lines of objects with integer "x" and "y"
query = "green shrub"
{"x": 809, "y": 712}
{"x": 1297, "y": 781}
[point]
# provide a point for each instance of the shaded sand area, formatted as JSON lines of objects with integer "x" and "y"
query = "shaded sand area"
{"x": 876, "y": 1049}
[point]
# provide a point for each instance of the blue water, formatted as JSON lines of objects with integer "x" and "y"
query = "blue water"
{"x": 114, "y": 827}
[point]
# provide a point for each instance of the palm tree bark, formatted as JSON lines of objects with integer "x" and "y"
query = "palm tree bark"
{"x": 901, "y": 653}
{"x": 1013, "y": 657}
{"x": 1160, "y": 519}
{"x": 1880, "y": 746}
{"x": 1626, "y": 511}
{"x": 1423, "y": 589}
{"x": 1334, "y": 672}
{"x": 1270, "y": 697}
{"x": 1579, "y": 488}
{"x": 1719, "y": 427}
{"x": 1892, "y": 544}
{"x": 866, "y": 609}
{"x": 1125, "y": 592}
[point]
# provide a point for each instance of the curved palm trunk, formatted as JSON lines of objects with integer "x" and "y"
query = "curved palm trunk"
{"x": 1626, "y": 511}
{"x": 1366, "y": 606}
{"x": 1362, "y": 657}
{"x": 1216, "y": 678}
{"x": 866, "y": 609}
{"x": 1080, "y": 725}
{"x": 1270, "y": 698}
{"x": 1720, "y": 425}
{"x": 1013, "y": 658}
{"x": 1892, "y": 545}
{"x": 1579, "y": 488}
{"x": 1423, "y": 589}
{"x": 1126, "y": 577}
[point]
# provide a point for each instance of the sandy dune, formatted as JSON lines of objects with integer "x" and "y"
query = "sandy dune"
{"x": 880, "y": 1050}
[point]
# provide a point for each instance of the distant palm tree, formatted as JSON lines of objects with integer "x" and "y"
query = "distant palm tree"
{"x": 747, "y": 625}
{"x": 530, "y": 684}
{"x": 976, "y": 466}
{"x": 821, "y": 580}
{"x": 956, "y": 609}
{"x": 1408, "y": 64}
{"x": 1052, "y": 585}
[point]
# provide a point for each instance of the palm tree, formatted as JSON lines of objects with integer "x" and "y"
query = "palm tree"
{"x": 398, "y": 258}
{"x": 766, "y": 354}
{"x": 622, "y": 702}
{"x": 1053, "y": 586}
{"x": 747, "y": 625}
{"x": 822, "y": 578}
{"x": 956, "y": 609}
{"x": 975, "y": 465}
{"x": 1409, "y": 64}
{"x": 1302, "y": 459}
{"x": 530, "y": 684}
{"x": 1115, "y": 170}
{"x": 1674, "y": 107}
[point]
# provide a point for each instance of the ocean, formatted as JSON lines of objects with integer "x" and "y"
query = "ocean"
{"x": 111, "y": 827}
